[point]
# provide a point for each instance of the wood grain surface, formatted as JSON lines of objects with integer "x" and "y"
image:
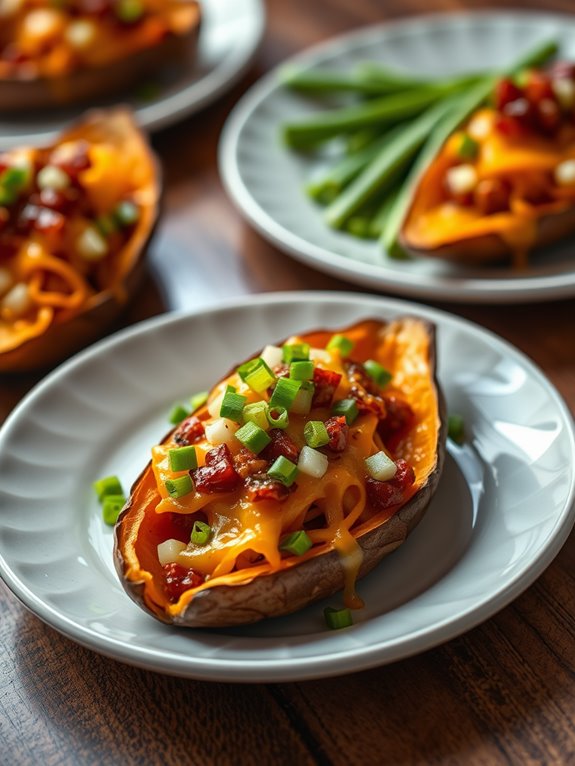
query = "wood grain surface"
{"x": 503, "y": 693}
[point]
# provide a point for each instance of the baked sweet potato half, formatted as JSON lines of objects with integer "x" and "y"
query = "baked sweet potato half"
{"x": 505, "y": 183}
{"x": 304, "y": 468}
{"x": 77, "y": 51}
{"x": 75, "y": 220}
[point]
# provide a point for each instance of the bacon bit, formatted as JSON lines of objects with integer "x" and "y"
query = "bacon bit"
{"x": 399, "y": 417}
{"x": 281, "y": 444}
{"x": 246, "y": 463}
{"x": 189, "y": 431}
{"x": 40, "y": 219}
{"x": 384, "y": 494}
{"x": 326, "y": 383}
{"x": 357, "y": 374}
{"x": 505, "y": 92}
{"x": 260, "y": 486}
{"x": 218, "y": 474}
{"x": 338, "y": 432}
{"x": 179, "y": 579}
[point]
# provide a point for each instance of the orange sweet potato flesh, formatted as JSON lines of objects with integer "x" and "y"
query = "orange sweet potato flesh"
{"x": 406, "y": 346}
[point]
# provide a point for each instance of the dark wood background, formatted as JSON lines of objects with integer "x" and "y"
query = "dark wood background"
{"x": 501, "y": 694}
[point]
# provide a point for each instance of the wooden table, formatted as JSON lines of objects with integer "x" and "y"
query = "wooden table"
{"x": 504, "y": 693}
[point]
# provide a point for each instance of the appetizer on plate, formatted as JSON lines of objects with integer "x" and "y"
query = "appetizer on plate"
{"x": 304, "y": 467}
{"x": 75, "y": 219}
{"x": 76, "y": 50}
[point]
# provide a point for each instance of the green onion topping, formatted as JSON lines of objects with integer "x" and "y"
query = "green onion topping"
{"x": 377, "y": 372}
{"x": 337, "y": 618}
{"x": 109, "y": 485}
{"x": 126, "y": 213}
{"x": 257, "y": 375}
{"x": 284, "y": 393}
{"x": 201, "y": 533}
{"x": 283, "y": 470}
{"x": 253, "y": 437}
{"x": 177, "y": 414}
{"x": 297, "y": 543}
{"x": 129, "y": 11}
{"x": 278, "y": 417}
{"x": 301, "y": 370}
{"x": 180, "y": 486}
{"x": 183, "y": 458}
{"x": 232, "y": 406}
{"x": 340, "y": 343}
{"x": 106, "y": 225}
{"x": 315, "y": 434}
{"x": 295, "y": 352}
{"x": 111, "y": 507}
{"x": 456, "y": 428}
{"x": 256, "y": 412}
{"x": 468, "y": 148}
{"x": 199, "y": 399}
{"x": 347, "y": 408}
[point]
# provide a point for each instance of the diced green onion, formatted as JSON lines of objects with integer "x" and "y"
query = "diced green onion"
{"x": 253, "y": 437}
{"x": 183, "y": 458}
{"x": 177, "y": 414}
{"x": 295, "y": 352}
{"x": 256, "y": 374}
{"x": 106, "y": 225}
{"x": 337, "y": 618}
{"x": 109, "y": 485}
{"x": 315, "y": 433}
{"x": 301, "y": 370}
{"x": 380, "y": 466}
{"x": 111, "y": 507}
{"x": 7, "y": 196}
{"x": 303, "y": 399}
{"x": 347, "y": 408}
{"x": 129, "y": 11}
{"x": 201, "y": 533}
{"x": 232, "y": 406}
{"x": 340, "y": 343}
{"x": 284, "y": 393}
{"x": 377, "y": 372}
{"x": 468, "y": 147}
{"x": 180, "y": 486}
{"x": 456, "y": 428}
{"x": 278, "y": 417}
{"x": 283, "y": 470}
{"x": 199, "y": 399}
{"x": 256, "y": 412}
{"x": 297, "y": 543}
{"x": 126, "y": 213}
{"x": 15, "y": 178}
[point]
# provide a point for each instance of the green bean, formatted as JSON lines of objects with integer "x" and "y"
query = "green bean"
{"x": 318, "y": 82}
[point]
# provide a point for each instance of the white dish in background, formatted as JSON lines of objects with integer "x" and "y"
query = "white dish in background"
{"x": 501, "y": 513}
{"x": 266, "y": 180}
{"x": 229, "y": 36}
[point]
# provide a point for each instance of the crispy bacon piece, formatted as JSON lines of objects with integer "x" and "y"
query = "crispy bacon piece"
{"x": 281, "y": 444}
{"x": 178, "y": 579}
{"x": 357, "y": 374}
{"x": 246, "y": 463}
{"x": 326, "y": 383}
{"x": 260, "y": 486}
{"x": 338, "y": 432}
{"x": 189, "y": 431}
{"x": 398, "y": 419}
{"x": 384, "y": 494}
{"x": 218, "y": 474}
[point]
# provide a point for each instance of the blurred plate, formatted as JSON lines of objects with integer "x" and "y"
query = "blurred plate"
{"x": 501, "y": 513}
{"x": 266, "y": 180}
{"x": 229, "y": 36}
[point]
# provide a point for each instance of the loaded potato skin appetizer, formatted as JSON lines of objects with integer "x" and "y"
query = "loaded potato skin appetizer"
{"x": 59, "y": 52}
{"x": 306, "y": 465}
{"x": 505, "y": 182}
{"x": 75, "y": 219}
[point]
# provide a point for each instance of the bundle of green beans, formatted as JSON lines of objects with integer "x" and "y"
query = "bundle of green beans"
{"x": 387, "y": 136}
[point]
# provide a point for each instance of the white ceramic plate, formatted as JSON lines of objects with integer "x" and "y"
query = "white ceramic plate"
{"x": 266, "y": 180}
{"x": 230, "y": 34}
{"x": 501, "y": 513}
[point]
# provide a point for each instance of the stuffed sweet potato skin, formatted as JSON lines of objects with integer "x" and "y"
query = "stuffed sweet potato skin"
{"x": 280, "y": 592}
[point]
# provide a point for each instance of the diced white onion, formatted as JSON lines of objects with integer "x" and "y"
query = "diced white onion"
{"x": 301, "y": 405}
{"x": 272, "y": 356}
{"x": 80, "y": 33}
{"x": 380, "y": 466}
{"x": 169, "y": 550}
{"x": 565, "y": 173}
{"x": 461, "y": 179}
{"x": 17, "y": 301}
{"x": 320, "y": 355}
{"x": 91, "y": 245}
{"x": 215, "y": 405}
{"x": 564, "y": 91}
{"x": 221, "y": 431}
{"x": 312, "y": 462}
{"x": 51, "y": 177}
{"x": 6, "y": 280}
{"x": 480, "y": 126}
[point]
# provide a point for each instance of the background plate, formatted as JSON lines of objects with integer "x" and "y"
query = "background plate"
{"x": 501, "y": 513}
{"x": 230, "y": 34}
{"x": 266, "y": 180}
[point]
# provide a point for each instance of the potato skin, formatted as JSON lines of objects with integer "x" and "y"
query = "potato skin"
{"x": 289, "y": 590}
